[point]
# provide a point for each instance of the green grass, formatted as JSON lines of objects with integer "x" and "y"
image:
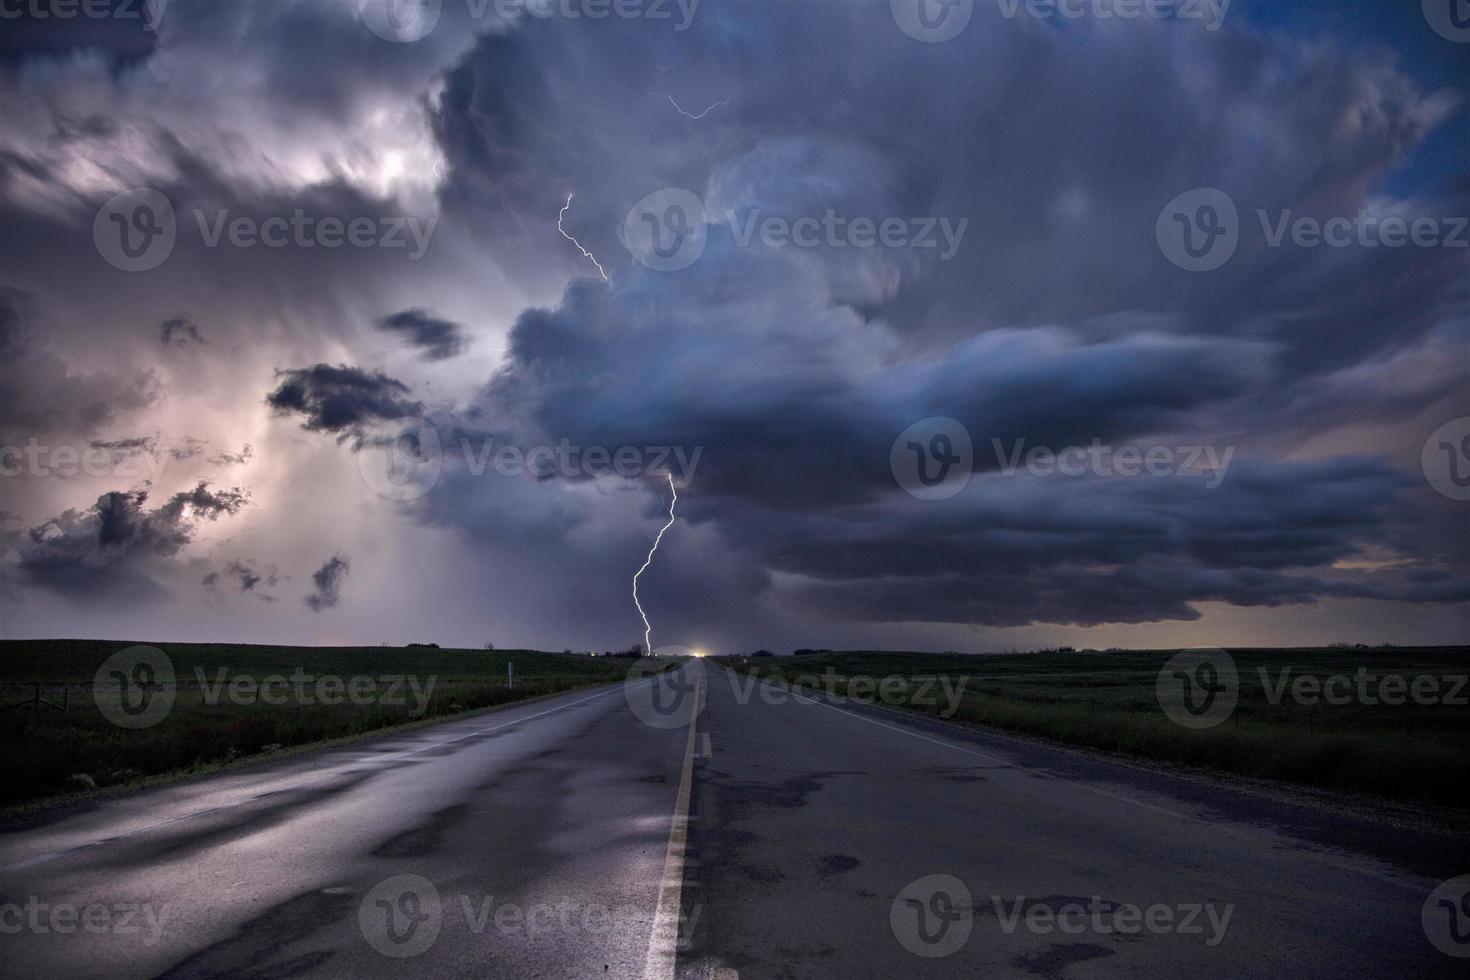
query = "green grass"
{"x": 45, "y": 747}
{"x": 1411, "y": 752}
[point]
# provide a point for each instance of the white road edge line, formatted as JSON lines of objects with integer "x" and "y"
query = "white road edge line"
{"x": 663, "y": 942}
{"x": 43, "y": 858}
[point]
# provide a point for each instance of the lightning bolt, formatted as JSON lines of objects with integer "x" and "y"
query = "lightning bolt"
{"x": 574, "y": 241}
{"x": 692, "y": 115}
{"x": 647, "y": 627}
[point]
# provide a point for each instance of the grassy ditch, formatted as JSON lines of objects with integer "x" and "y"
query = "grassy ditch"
{"x": 1282, "y": 727}
{"x": 59, "y": 730}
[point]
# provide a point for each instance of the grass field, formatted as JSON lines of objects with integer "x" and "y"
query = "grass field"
{"x": 220, "y": 711}
{"x": 1281, "y": 728}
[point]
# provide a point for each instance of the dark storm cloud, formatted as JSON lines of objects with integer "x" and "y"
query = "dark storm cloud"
{"x": 1059, "y": 321}
{"x": 327, "y": 584}
{"x": 189, "y": 448}
{"x": 127, "y": 448}
{"x": 1020, "y": 130}
{"x": 180, "y": 332}
{"x": 438, "y": 339}
{"x": 223, "y": 458}
{"x": 1021, "y": 549}
{"x": 120, "y": 30}
{"x": 117, "y": 547}
{"x": 44, "y": 396}
{"x": 787, "y": 400}
{"x": 340, "y": 399}
{"x": 247, "y": 576}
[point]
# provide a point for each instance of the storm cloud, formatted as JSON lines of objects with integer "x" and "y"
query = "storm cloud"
{"x": 118, "y": 547}
{"x": 340, "y": 399}
{"x": 1051, "y": 317}
{"x": 438, "y": 339}
{"x": 327, "y": 584}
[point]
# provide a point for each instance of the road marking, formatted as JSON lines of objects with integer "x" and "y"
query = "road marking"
{"x": 663, "y": 942}
{"x": 207, "y": 811}
{"x": 708, "y": 754}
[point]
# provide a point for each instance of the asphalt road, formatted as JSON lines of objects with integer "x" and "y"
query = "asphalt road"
{"x": 601, "y": 834}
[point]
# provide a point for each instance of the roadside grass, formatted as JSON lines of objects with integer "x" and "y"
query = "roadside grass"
{"x": 50, "y": 751}
{"x": 1410, "y": 752}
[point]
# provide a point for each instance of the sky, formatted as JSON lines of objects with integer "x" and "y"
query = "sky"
{"x": 973, "y": 326}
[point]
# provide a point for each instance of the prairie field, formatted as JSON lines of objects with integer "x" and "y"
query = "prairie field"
{"x": 1376, "y": 733}
{"x": 236, "y": 701}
